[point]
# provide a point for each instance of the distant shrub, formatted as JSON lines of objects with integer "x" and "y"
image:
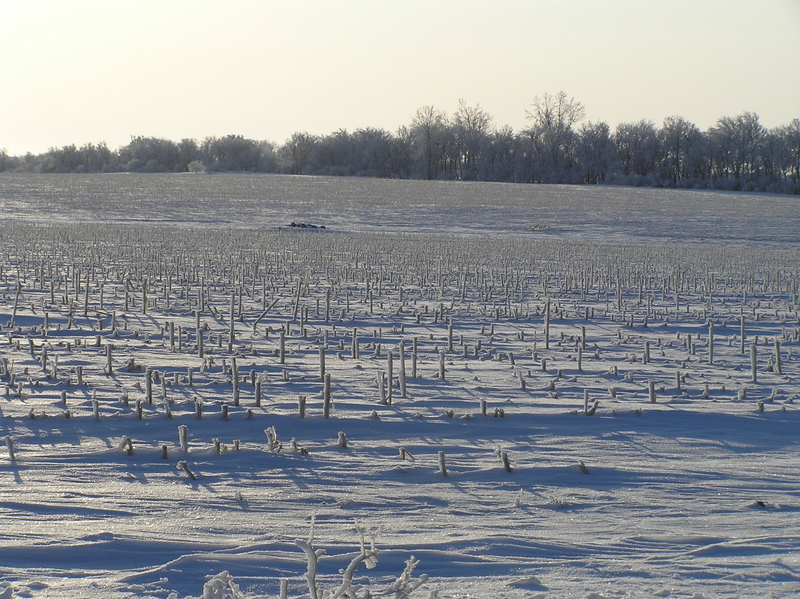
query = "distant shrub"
{"x": 196, "y": 166}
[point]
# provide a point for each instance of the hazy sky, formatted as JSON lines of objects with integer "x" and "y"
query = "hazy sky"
{"x": 78, "y": 71}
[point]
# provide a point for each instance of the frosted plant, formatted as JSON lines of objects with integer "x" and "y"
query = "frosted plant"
{"x": 273, "y": 443}
{"x": 402, "y": 588}
{"x": 222, "y": 586}
{"x": 405, "y": 584}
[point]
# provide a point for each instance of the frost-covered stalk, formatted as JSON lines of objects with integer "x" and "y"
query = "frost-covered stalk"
{"x": 753, "y": 362}
{"x": 402, "y": 369}
{"x": 10, "y": 446}
{"x": 312, "y": 557}
{"x": 184, "y": 466}
{"x": 126, "y": 445}
{"x": 86, "y": 297}
{"x": 382, "y": 386}
{"x": 450, "y": 335}
{"x": 710, "y": 342}
{"x": 199, "y": 334}
{"x": 231, "y": 331}
{"x": 741, "y": 331}
{"x": 547, "y": 325}
{"x": 580, "y": 360}
{"x": 148, "y": 385}
{"x": 183, "y": 437}
{"x": 505, "y": 461}
{"x": 441, "y": 364}
{"x": 16, "y": 305}
{"x": 322, "y": 362}
{"x": 442, "y": 466}
{"x": 328, "y": 305}
{"x": 273, "y": 443}
{"x": 96, "y": 409}
{"x": 778, "y": 368}
{"x": 282, "y": 347}
{"x": 651, "y": 391}
{"x": 258, "y": 393}
{"x": 342, "y": 440}
{"x": 301, "y": 406}
{"x": 326, "y": 397}
{"x": 354, "y": 350}
{"x": 297, "y": 300}
{"x": 390, "y": 376}
{"x": 585, "y": 401}
{"x": 646, "y": 359}
{"x": 414, "y": 358}
{"x": 235, "y": 381}
{"x": 109, "y": 366}
{"x": 406, "y": 455}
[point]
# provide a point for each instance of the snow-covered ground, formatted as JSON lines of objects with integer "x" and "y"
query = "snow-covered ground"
{"x": 684, "y": 482}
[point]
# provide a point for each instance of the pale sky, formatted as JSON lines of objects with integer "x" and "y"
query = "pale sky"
{"x": 79, "y": 71}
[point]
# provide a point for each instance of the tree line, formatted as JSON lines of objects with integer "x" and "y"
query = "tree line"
{"x": 557, "y": 146}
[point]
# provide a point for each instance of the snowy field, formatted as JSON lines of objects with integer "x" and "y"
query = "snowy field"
{"x": 535, "y": 391}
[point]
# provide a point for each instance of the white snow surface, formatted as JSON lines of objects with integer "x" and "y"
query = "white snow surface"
{"x": 692, "y": 492}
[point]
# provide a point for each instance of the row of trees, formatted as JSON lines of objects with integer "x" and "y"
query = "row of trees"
{"x": 737, "y": 153}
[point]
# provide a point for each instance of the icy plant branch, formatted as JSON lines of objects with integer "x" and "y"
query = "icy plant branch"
{"x": 405, "y": 584}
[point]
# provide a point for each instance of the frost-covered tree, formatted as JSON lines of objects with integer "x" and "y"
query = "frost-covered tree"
{"x": 294, "y": 157}
{"x": 789, "y": 156}
{"x": 188, "y": 152}
{"x": 553, "y": 139}
{"x": 471, "y": 128}
{"x": 734, "y": 145}
{"x": 637, "y": 149}
{"x": 236, "y": 153}
{"x": 150, "y": 155}
{"x": 498, "y": 156}
{"x": 596, "y": 151}
{"x": 372, "y": 149}
{"x": 680, "y": 146}
{"x": 401, "y": 153}
{"x": 428, "y": 132}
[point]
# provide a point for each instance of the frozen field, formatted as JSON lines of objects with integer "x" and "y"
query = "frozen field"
{"x": 591, "y": 337}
